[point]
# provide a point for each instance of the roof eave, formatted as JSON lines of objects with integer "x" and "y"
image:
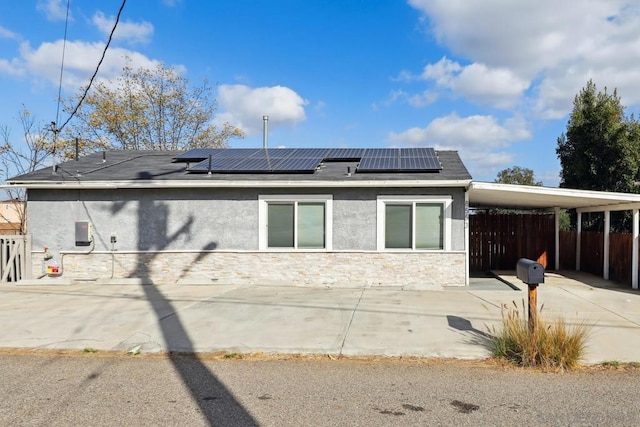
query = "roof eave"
{"x": 112, "y": 185}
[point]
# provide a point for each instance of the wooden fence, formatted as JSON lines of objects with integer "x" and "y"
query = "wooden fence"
{"x": 592, "y": 256}
{"x": 498, "y": 240}
{"x": 15, "y": 258}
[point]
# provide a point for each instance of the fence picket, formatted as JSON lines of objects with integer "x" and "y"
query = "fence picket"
{"x": 15, "y": 258}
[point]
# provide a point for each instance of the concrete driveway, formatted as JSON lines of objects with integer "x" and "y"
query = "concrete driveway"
{"x": 454, "y": 322}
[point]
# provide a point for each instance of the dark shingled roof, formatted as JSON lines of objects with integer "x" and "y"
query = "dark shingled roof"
{"x": 158, "y": 165}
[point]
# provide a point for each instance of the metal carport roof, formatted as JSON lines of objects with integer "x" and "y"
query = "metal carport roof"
{"x": 491, "y": 194}
{"x": 497, "y": 195}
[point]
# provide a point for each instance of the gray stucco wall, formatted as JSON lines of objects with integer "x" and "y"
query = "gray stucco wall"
{"x": 202, "y": 220}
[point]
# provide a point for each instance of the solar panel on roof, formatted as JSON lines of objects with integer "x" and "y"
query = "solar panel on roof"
{"x": 414, "y": 163}
{"x": 295, "y": 160}
{"x": 272, "y": 153}
{"x": 420, "y": 158}
{"x": 337, "y": 154}
{"x": 236, "y": 153}
{"x": 259, "y": 164}
{"x": 309, "y": 153}
{"x": 417, "y": 152}
{"x": 379, "y": 159}
{"x": 196, "y": 154}
{"x": 217, "y": 164}
{"x": 381, "y": 152}
{"x": 298, "y": 165}
{"x": 259, "y": 161}
{"x": 378, "y": 164}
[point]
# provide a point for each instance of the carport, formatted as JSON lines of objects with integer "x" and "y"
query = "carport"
{"x": 510, "y": 196}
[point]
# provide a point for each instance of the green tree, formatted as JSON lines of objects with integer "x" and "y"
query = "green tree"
{"x": 600, "y": 149}
{"x": 147, "y": 110}
{"x": 517, "y": 175}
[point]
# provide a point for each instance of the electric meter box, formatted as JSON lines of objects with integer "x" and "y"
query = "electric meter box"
{"x": 83, "y": 233}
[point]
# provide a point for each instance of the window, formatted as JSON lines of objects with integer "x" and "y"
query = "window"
{"x": 414, "y": 222}
{"x": 295, "y": 222}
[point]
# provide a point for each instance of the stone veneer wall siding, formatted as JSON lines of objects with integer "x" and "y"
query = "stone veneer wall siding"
{"x": 414, "y": 270}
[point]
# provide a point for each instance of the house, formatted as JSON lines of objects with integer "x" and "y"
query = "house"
{"x": 308, "y": 217}
{"x": 11, "y": 216}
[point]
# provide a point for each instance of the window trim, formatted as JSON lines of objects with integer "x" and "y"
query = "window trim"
{"x": 264, "y": 200}
{"x": 382, "y": 201}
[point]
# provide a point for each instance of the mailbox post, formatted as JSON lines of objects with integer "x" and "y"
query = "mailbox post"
{"x": 532, "y": 274}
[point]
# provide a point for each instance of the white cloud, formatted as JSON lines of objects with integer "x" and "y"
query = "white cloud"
{"x": 460, "y": 133}
{"x": 442, "y": 72}
{"x": 131, "y": 31}
{"x": 481, "y": 140}
{"x": 423, "y": 99}
{"x": 8, "y": 34}
{"x": 417, "y": 100}
{"x": 320, "y": 106}
{"x": 13, "y": 67}
{"x": 557, "y": 45}
{"x": 171, "y": 3}
{"x": 244, "y": 106}
{"x": 81, "y": 58}
{"x": 54, "y": 10}
{"x": 394, "y": 96}
{"x": 497, "y": 87}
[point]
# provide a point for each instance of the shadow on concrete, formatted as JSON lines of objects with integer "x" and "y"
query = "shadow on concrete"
{"x": 488, "y": 280}
{"x": 595, "y": 281}
{"x": 476, "y": 336}
{"x": 217, "y": 404}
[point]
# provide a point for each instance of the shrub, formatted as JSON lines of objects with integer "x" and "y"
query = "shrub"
{"x": 550, "y": 345}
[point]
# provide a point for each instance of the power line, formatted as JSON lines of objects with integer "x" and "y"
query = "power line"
{"x": 104, "y": 52}
{"x": 64, "y": 47}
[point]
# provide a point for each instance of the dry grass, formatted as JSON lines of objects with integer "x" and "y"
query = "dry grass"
{"x": 554, "y": 345}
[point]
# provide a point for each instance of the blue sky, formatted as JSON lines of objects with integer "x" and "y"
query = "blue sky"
{"x": 493, "y": 79}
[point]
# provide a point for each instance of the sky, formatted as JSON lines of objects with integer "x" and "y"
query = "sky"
{"x": 492, "y": 79}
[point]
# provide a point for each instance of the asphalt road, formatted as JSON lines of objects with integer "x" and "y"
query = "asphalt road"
{"x": 99, "y": 390}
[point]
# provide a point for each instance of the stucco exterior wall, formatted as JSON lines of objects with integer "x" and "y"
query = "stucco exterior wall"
{"x": 223, "y": 222}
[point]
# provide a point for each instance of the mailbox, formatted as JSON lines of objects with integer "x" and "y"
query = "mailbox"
{"x": 529, "y": 271}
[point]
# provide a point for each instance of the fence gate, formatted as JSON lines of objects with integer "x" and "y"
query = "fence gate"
{"x": 498, "y": 240}
{"x": 15, "y": 258}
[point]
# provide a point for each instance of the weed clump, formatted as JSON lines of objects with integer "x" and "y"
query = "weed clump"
{"x": 549, "y": 345}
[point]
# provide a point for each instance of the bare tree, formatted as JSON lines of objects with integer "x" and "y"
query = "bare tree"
{"x": 20, "y": 156}
{"x": 148, "y": 109}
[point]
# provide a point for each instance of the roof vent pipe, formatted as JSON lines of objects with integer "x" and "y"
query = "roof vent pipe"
{"x": 265, "y": 131}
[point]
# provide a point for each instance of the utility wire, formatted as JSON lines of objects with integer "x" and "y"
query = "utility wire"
{"x": 64, "y": 47}
{"x": 104, "y": 52}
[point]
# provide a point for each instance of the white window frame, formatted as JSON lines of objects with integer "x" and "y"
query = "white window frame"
{"x": 263, "y": 202}
{"x": 382, "y": 201}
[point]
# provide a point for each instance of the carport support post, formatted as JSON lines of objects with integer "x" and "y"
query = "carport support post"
{"x": 605, "y": 252}
{"x": 533, "y": 307}
{"x": 556, "y": 242}
{"x": 634, "y": 250}
{"x": 578, "y": 240}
